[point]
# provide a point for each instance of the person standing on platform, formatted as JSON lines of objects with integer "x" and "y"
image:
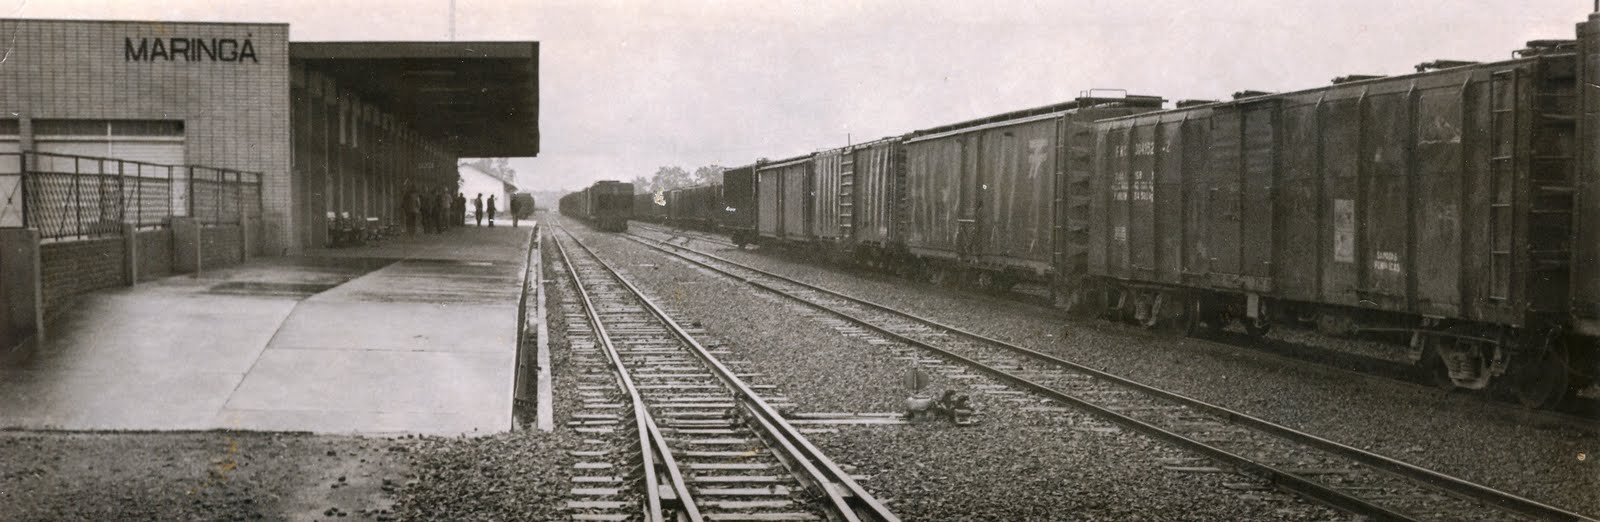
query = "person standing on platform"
{"x": 413, "y": 207}
{"x": 477, "y": 209}
{"x": 491, "y": 211}
{"x": 445, "y": 204}
{"x": 516, "y": 209}
{"x": 460, "y": 213}
{"x": 429, "y": 212}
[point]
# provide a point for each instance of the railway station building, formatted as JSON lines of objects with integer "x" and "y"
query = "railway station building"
{"x": 134, "y": 150}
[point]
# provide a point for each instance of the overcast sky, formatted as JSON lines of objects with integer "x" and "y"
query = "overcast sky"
{"x": 630, "y": 86}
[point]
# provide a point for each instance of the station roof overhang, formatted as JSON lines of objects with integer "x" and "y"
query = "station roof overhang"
{"x": 479, "y": 99}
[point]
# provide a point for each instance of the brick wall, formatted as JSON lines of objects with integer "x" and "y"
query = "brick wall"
{"x": 235, "y": 113}
{"x": 76, "y": 267}
{"x": 219, "y": 247}
{"x": 155, "y": 254}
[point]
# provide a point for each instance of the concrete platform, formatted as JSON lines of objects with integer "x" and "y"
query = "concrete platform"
{"x": 412, "y": 336}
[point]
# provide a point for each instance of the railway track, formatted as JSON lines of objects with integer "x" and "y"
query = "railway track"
{"x": 673, "y": 433}
{"x": 677, "y": 232}
{"x": 1341, "y": 476}
{"x": 1579, "y": 414}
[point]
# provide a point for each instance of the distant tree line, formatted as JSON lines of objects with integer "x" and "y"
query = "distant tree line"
{"x": 673, "y": 176}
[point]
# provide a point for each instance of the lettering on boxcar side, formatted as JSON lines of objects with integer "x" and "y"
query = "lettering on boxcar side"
{"x": 1119, "y": 186}
{"x": 1120, "y": 234}
{"x": 1144, "y": 148}
{"x": 1344, "y": 230}
{"x": 1144, "y": 189}
{"x": 1386, "y": 262}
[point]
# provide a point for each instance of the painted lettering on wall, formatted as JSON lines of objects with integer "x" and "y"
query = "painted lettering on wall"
{"x": 189, "y": 50}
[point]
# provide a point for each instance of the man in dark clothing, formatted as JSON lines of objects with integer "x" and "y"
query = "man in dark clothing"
{"x": 491, "y": 211}
{"x": 429, "y": 212}
{"x": 445, "y": 204}
{"x": 516, "y": 208}
{"x": 477, "y": 209}
{"x": 460, "y": 212}
{"x": 413, "y": 211}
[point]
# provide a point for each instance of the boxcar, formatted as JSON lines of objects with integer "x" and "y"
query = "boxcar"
{"x": 1436, "y": 204}
{"x": 784, "y": 200}
{"x": 740, "y": 205}
{"x": 830, "y": 198}
{"x": 856, "y": 202}
{"x": 646, "y": 209}
{"x": 982, "y": 194}
{"x": 675, "y": 204}
{"x": 875, "y": 182}
{"x": 574, "y": 204}
{"x": 1586, "y": 237}
{"x": 696, "y": 207}
{"x": 607, "y": 205}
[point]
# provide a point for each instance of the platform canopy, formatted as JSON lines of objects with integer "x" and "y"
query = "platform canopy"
{"x": 481, "y": 99}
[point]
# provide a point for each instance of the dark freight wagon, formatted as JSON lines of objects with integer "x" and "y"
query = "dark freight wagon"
{"x": 830, "y": 204}
{"x": 606, "y": 205}
{"x": 784, "y": 199}
{"x": 739, "y": 201}
{"x": 877, "y": 187}
{"x": 1435, "y": 203}
{"x": 857, "y": 203}
{"x": 982, "y": 194}
{"x": 696, "y": 207}
{"x": 1586, "y": 238}
{"x": 647, "y": 208}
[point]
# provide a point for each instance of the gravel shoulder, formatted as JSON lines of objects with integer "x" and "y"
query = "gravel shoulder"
{"x": 1024, "y": 461}
{"x": 1458, "y": 435}
{"x": 196, "y": 476}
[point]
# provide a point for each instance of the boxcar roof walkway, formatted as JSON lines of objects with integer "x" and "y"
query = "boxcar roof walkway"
{"x": 412, "y": 336}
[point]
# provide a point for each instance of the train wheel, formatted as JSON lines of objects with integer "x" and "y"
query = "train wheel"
{"x": 1198, "y": 319}
{"x": 1152, "y": 316}
{"x": 1258, "y": 326}
{"x": 1542, "y": 381}
{"x": 1431, "y": 364}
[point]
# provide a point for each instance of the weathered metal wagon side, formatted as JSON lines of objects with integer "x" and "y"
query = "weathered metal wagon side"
{"x": 1437, "y": 204}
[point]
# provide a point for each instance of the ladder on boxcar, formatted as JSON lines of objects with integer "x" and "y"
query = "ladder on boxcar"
{"x": 1551, "y": 161}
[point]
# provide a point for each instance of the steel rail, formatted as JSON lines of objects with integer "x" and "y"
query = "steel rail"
{"x": 650, "y": 439}
{"x": 793, "y": 442}
{"x": 682, "y": 232}
{"x": 1453, "y": 485}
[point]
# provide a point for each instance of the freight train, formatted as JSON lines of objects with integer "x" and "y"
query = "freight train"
{"x": 607, "y": 205}
{"x": 1456, "y": 209}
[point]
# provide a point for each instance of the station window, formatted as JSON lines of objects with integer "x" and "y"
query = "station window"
{"x": 10, "y": 128}
{"x": 150, "y": 141}
{"x": 46, "y": 129}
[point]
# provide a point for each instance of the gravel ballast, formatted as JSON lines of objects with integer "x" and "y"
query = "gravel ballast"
{"x": 1451, "y": 433}
{"x": 212, "y": 475}
{"x": 1025, "y": 460}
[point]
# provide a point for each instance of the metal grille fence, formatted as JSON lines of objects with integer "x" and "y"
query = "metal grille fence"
{"x": 223, "y": 197}
{"x": 80, "y": 197}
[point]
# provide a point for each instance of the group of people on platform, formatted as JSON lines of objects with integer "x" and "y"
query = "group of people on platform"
{"x": 435, "y": 210}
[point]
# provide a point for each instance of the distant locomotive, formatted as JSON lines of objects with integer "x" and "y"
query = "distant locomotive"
{"x": 1458, "y": 208}
{"x": 607, "y": 205}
